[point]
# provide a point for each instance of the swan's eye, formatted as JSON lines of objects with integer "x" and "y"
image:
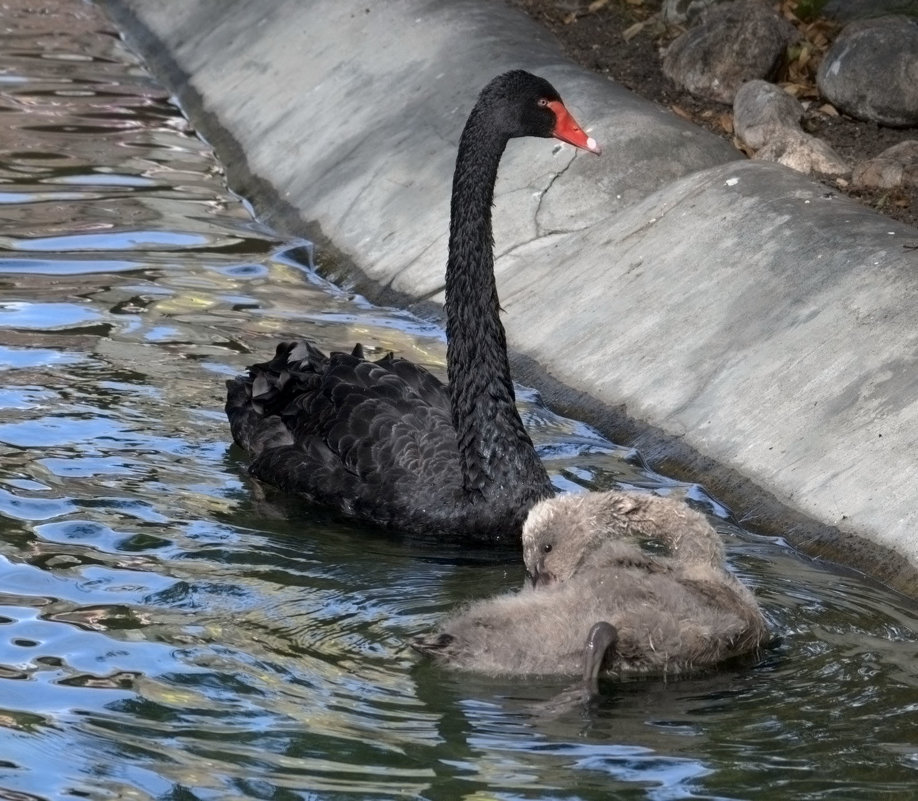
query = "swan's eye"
{"x": 543, "y": 102}
{"x": 546, "y": 548}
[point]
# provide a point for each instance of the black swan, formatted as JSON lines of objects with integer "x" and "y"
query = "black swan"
{"x": 385, "y": 441}
{"x": 626, "y": 583}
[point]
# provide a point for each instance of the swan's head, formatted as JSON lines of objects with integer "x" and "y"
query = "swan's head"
{"x": 523, "y": 104}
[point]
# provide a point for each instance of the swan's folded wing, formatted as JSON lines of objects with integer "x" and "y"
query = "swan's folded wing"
{"x": 255, "y": 403}
{"x": 371, "y": 436}
{"x": 421, "y": 381}
{"x": 379, "y": 425}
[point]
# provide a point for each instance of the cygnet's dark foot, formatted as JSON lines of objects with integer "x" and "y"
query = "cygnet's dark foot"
{"x": 601, "y": 638}
{"x": 433, "y": 644}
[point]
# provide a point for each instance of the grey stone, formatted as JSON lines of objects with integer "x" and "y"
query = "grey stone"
{"x": 679, "y": 12}
{"x": 804, "y": 153}
{"x": 871, "y": 71}
{"x": 767, "y": 119}
{"x": 895, "y": 167}
{"x": 763, "y": 112}
{"x": 848, "y": 10}
{"x": 731, "y": 44}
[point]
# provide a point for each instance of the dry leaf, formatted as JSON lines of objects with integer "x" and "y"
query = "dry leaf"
{"x": 680, "y": 112}
{"x": 800, "y": 88}
{"x": 787, "y": 10}
{"x": 629, "y": 33}
{"x": 828, "y": 109}
{"x": 593, "y": 7}
{"x": 740, "y": 145}
{"x": 726, "y": 122}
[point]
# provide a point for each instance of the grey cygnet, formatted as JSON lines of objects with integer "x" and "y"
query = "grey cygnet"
{"x": 597, "y": 601}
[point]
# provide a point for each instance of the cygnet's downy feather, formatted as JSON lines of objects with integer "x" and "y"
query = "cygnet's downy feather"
{"x": 624, "y": 583}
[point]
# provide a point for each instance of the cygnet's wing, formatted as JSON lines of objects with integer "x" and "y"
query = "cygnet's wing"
{"x": 611, "y": 554}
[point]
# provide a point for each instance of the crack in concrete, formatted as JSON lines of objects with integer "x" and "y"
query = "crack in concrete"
{"x": 545, "y": 191}
{"x": 429, "y": 296}
{"x": 361, "y": 190}
{"x": 420, "y": 254}
{"x": 513, "y": 248}
{"x": 540, "y": 232}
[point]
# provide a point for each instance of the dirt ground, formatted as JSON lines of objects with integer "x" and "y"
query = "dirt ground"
{"x": 622, "y": 39}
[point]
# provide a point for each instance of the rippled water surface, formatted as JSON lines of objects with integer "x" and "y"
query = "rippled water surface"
{"x": 168, "y": 633}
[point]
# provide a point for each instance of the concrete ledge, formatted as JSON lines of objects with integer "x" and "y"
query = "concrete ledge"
{"x": 731, "y": 318}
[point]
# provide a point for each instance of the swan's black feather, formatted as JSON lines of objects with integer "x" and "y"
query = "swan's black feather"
{"x": 374, "y": 439}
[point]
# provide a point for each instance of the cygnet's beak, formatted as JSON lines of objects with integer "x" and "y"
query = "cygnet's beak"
{"x": 538, "y": 576}
{"x": 567, "y": 129}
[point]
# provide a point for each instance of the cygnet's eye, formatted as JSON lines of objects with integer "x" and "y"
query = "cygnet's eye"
{"x": 546, "y": 548}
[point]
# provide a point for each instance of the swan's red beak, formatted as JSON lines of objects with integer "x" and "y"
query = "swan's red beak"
{"x": 567, "y": 129}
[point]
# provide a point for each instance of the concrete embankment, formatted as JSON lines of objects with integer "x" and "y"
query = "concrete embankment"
{"x": 742, "y": 325}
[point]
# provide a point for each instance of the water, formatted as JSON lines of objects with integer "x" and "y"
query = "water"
{"x": 167, "y": 633}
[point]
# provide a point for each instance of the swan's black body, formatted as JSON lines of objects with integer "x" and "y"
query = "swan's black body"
{"x": 386, "y": 441}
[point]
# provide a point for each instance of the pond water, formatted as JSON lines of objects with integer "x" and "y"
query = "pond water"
{"x": 166, "y": 632}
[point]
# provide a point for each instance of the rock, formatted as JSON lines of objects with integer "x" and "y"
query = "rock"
{"x": 804, "y": 153}
{"x": 896, "y": 167}
{"x": 847, "y": 10}
{"x": 763, "y": 112}
{"x": 767, "y": 120}
{"x": 871, "y": 71}
{"x": 679, "y": 12}
{"x": 732, "y": 43}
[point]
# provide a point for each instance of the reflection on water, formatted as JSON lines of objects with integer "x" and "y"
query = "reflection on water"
{"x": 168, "y": 632}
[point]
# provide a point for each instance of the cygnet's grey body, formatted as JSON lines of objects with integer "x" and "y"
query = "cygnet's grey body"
{"x": 599, "y": 601}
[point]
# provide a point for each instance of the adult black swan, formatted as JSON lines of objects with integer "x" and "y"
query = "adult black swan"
{"x": 385, "y": 441}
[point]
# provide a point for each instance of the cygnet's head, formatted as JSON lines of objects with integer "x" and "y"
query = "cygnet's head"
{"x": 558, "y": 535}
{"x": 565, "y": 533}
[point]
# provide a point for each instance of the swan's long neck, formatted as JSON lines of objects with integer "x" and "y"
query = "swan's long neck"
{"x": 496, "y": 453}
